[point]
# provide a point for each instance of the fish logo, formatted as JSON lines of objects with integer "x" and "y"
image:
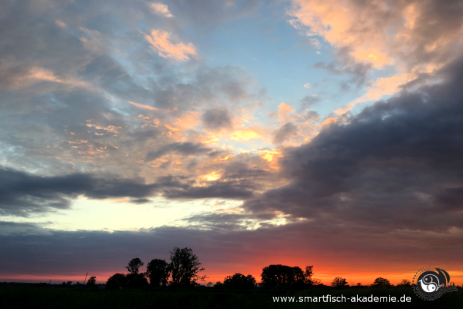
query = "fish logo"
{"x": 431, "y": 283}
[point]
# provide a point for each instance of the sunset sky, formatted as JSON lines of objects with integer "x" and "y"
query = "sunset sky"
{"x": 319, "y": 132}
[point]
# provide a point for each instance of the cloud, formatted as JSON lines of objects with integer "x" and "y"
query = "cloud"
{"x": 396, "y": 156}
{"x": 307, "y": 85}
{"x": 151, "y": 108}
{"x": 42, "y": 254}
{"x": 284, "y": 133}
{"x": 345, "y": 64}
{"x": 185, "y": 149}
{"x": 205, "y": 15}
{"x": 246, "y": 134}
{"x": 160, "y": 9}
{"x": 161, "y": 42}
{"x": 380, "y": 34}
{"x": 23, "y": 194}
{"x": 311, "y": 100}
{"x": 226, "y": 190}
{"x": 217, "y": 119}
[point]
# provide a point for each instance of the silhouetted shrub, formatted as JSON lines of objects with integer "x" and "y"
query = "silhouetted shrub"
{"x": 136, "y": 280}
{"x": 282, "y": 275}
{"x": 116, "y": 281}
{"x": 92, "y": 281}
{"x": 239, "y": 281}
{"x": 339, "y": 282}
{"x": 404, "y": 283}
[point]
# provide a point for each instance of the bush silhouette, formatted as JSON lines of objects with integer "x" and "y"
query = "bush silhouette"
{"x": 282, "y": 275}
{"x": 404, "y": 283}
{"x": 239, "y": 281}
{"x": 117, "y": 281}
{"x": 339, "y": 282}
{"x": 92, "y": 281}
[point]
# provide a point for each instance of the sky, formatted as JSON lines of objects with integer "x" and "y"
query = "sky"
{"x": 299, "y": 132}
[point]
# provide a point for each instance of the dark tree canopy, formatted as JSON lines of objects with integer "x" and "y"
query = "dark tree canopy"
{"x": 91, "y": 281}
{"x": 381, "y": 282}
{"x": 136, "y": 280}
{"x": 185, "y": 267}
{"x": 158, "y": 272}
{"x": 276, "y": 275}
{"x": 239, "y": 281}
{"x": 134, "y": 266}
{"x": 117, "y": 281}
{"x": 339, "y": 282}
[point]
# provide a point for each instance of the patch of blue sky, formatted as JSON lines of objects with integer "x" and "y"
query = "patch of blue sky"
{"x": 280, "y": 59}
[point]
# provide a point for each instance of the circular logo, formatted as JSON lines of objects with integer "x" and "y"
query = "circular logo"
{"x": 430, "y": 284}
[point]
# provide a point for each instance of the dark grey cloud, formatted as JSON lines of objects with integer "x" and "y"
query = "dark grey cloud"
{"x": 224, "y": 189}
{"x": 22, "y": 194}
{"x": 330, "y": 247}
{"x": 397, "y": 164}
{"x": 345, "y": 64}
{"x": 242, "y": 170}
{"x": 284, "y": 132}
{"x": 185, "y": 149}
{"x": 217, "y": 119}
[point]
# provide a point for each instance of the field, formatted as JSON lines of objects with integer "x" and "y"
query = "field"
{"x": 30, "y": 296}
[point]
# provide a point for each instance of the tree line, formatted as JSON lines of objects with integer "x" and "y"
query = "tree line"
{"x": 184, "y": 268}
{"x": 182, "y": 271}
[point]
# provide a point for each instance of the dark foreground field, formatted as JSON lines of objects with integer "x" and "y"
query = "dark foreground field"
{"x": 84, "y": 298}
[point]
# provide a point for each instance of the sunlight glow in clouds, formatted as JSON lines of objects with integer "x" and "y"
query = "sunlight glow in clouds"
{"x": 373, "y": 35}
{"x": 161, "y": 42}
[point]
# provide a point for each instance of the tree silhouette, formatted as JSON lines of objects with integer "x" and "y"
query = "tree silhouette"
{"x": 184, "y": 267}
{"x": 381, "y": 282}
{"x": 134, "y": 278}
{"x": 404, "y": 282}
{"x": 339, "y": 282}
{"x": 117, "y": 281}
{"x": 92, "y": 281}
{"x": 275, "y": 275}
{"x": 134, "y": 265}
{"x": 239, "y": 281}
{"x": 158, "y": 271}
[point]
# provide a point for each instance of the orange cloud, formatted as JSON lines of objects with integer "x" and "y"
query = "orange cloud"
{"x": 151, "y": 108}
{"x": 37, "y": 74}
{"x": 188, "y": 120}
{"x": 338, "y": 22}
{"x": 381, "y": 33}
{"x": 161, "y": 42}
{"x": 284, "y": 111}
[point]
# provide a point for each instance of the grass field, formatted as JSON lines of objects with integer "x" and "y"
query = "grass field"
{"x": 24, "y": 296}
